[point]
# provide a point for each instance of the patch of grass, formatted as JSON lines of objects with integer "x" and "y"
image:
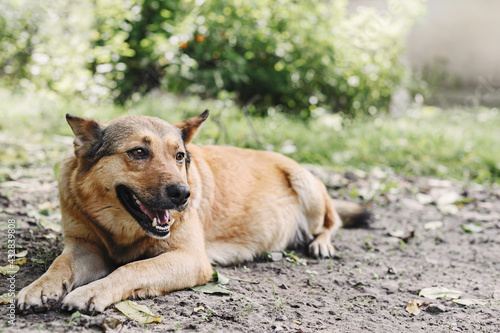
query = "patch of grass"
{"x": 277, "y": 300}
{"x": 458, "y": 143}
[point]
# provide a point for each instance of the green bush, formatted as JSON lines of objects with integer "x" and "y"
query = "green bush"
{"x": 300, "y": 57}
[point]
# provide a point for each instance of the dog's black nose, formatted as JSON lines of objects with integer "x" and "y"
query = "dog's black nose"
{"x": 178, "y": 194}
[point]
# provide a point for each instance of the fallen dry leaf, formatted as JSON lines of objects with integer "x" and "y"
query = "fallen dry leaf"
{"x": 6, "y": 299}
{"x": 111, "y": 324}
{"x": 47, "y": 224}
{"x": 440, "y": 293}
{"x": 403, "y": 235}
{"x": 466, "y": 301}
{"x": 20, "y": 261}
{"x": 137, "y": 312}
{"x": 413, "y": 307}
{"x": 9, "y": 269}
{"x": 22, "y": 253}
{"x": 199, "y": 308}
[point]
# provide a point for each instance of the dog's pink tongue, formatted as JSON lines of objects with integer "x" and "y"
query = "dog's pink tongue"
{"x": 162, "y": 216}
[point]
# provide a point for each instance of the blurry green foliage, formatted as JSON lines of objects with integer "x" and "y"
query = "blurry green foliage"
{"x": 300, "y": 57}
{"x": 453, "y": 143}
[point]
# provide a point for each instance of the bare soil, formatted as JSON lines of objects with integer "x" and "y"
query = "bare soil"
{"x": 364, "y": 288}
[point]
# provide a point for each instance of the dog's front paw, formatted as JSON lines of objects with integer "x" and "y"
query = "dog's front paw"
{"x": 87, "y": 299}
{"x": 42, "y": 294}
{"x": 321, "y": 247}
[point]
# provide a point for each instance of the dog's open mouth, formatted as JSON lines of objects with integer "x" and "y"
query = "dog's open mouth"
{"x": 155, "y": 223}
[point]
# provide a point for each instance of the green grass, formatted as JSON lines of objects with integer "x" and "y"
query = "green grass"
{"x": 458, "y": 143}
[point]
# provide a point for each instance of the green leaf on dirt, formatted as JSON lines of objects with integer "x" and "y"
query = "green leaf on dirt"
{"x": 9, "y": 269}
{"x": 138, "y": 312}
{"x": 440, "y": 293}
{"x": 212, "y": 288}
{"x": 215, "y": 287}
{"x": 467, "y": 301}
{"x": 464, "y": 201}
{"x": 74, "y": 315}
{"x": 7, "y": 299}
{"x": 291, "y": 257}
{"x": 219, "y": 278}
{"x": 472, "y": 228}
{"x": 38, "y": 261}
{"x": 47, "y": 224}
{"x": 46, "y": 208}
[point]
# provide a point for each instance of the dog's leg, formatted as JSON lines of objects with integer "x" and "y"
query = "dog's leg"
{"x": 321, "y": 246}
{"x": 322, "y": 219}
{"x": 167, "y": 272}
{"x": 181, "y": 267}
{"x": 79, "y": 263}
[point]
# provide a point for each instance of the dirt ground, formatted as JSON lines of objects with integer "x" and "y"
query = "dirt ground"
{"x": 364, "y": 288}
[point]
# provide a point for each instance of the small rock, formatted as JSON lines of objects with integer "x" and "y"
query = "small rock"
{"x": 283, "y": 286}
{"x": 435, "y": 308}
{"x": 391, "y": 271}
{"x": 276, "y": 256}
{"x": 412, "y": 204}
{"x": 433, "y": 225}
{"x": 448, "y": 198}
{"x": 277, "y": 328}
{"x": 89, "y": 321}
{"x": 424, "y": 199}
{"x": 281, "y": 317}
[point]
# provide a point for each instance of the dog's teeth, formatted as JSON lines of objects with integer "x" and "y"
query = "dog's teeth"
{"x": 137, "y": 202}
{"x": 154, "y": 222}
{"x": 171, "y": 222}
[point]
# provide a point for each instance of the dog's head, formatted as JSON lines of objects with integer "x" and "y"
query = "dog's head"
{"x": 136, "y": 164}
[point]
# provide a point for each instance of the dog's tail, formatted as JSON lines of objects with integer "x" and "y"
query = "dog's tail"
{"x": 352, "y": 215}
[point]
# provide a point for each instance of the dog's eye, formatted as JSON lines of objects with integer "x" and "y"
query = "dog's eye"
{"x": 179, "y": 157}
{"x": 139, "y": 153}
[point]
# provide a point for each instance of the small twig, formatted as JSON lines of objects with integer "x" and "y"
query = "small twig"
{"x": 249, "y": 121}
{"x": 222, "y": 129}
{"x": 241, "y": 280}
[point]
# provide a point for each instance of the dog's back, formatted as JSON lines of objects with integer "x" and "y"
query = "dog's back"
{"x": 255, "y": 201}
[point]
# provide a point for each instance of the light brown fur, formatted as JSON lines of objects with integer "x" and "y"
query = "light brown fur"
{"x": 243, "y": 202}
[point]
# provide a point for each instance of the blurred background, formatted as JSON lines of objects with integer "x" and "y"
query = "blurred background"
{"x": 393, "y": 86}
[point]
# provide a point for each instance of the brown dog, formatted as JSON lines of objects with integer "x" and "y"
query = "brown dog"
{"x": 144, "y": 212}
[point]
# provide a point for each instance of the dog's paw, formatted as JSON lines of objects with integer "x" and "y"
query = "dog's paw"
{"x": 321, "y": 247}
{"x": 87, "y": 299}
{"x": 42, "y": 294}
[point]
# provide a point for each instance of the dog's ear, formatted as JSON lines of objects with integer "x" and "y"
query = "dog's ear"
{"x": 88, "y": 134}
{"x": 190, "y": 127}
